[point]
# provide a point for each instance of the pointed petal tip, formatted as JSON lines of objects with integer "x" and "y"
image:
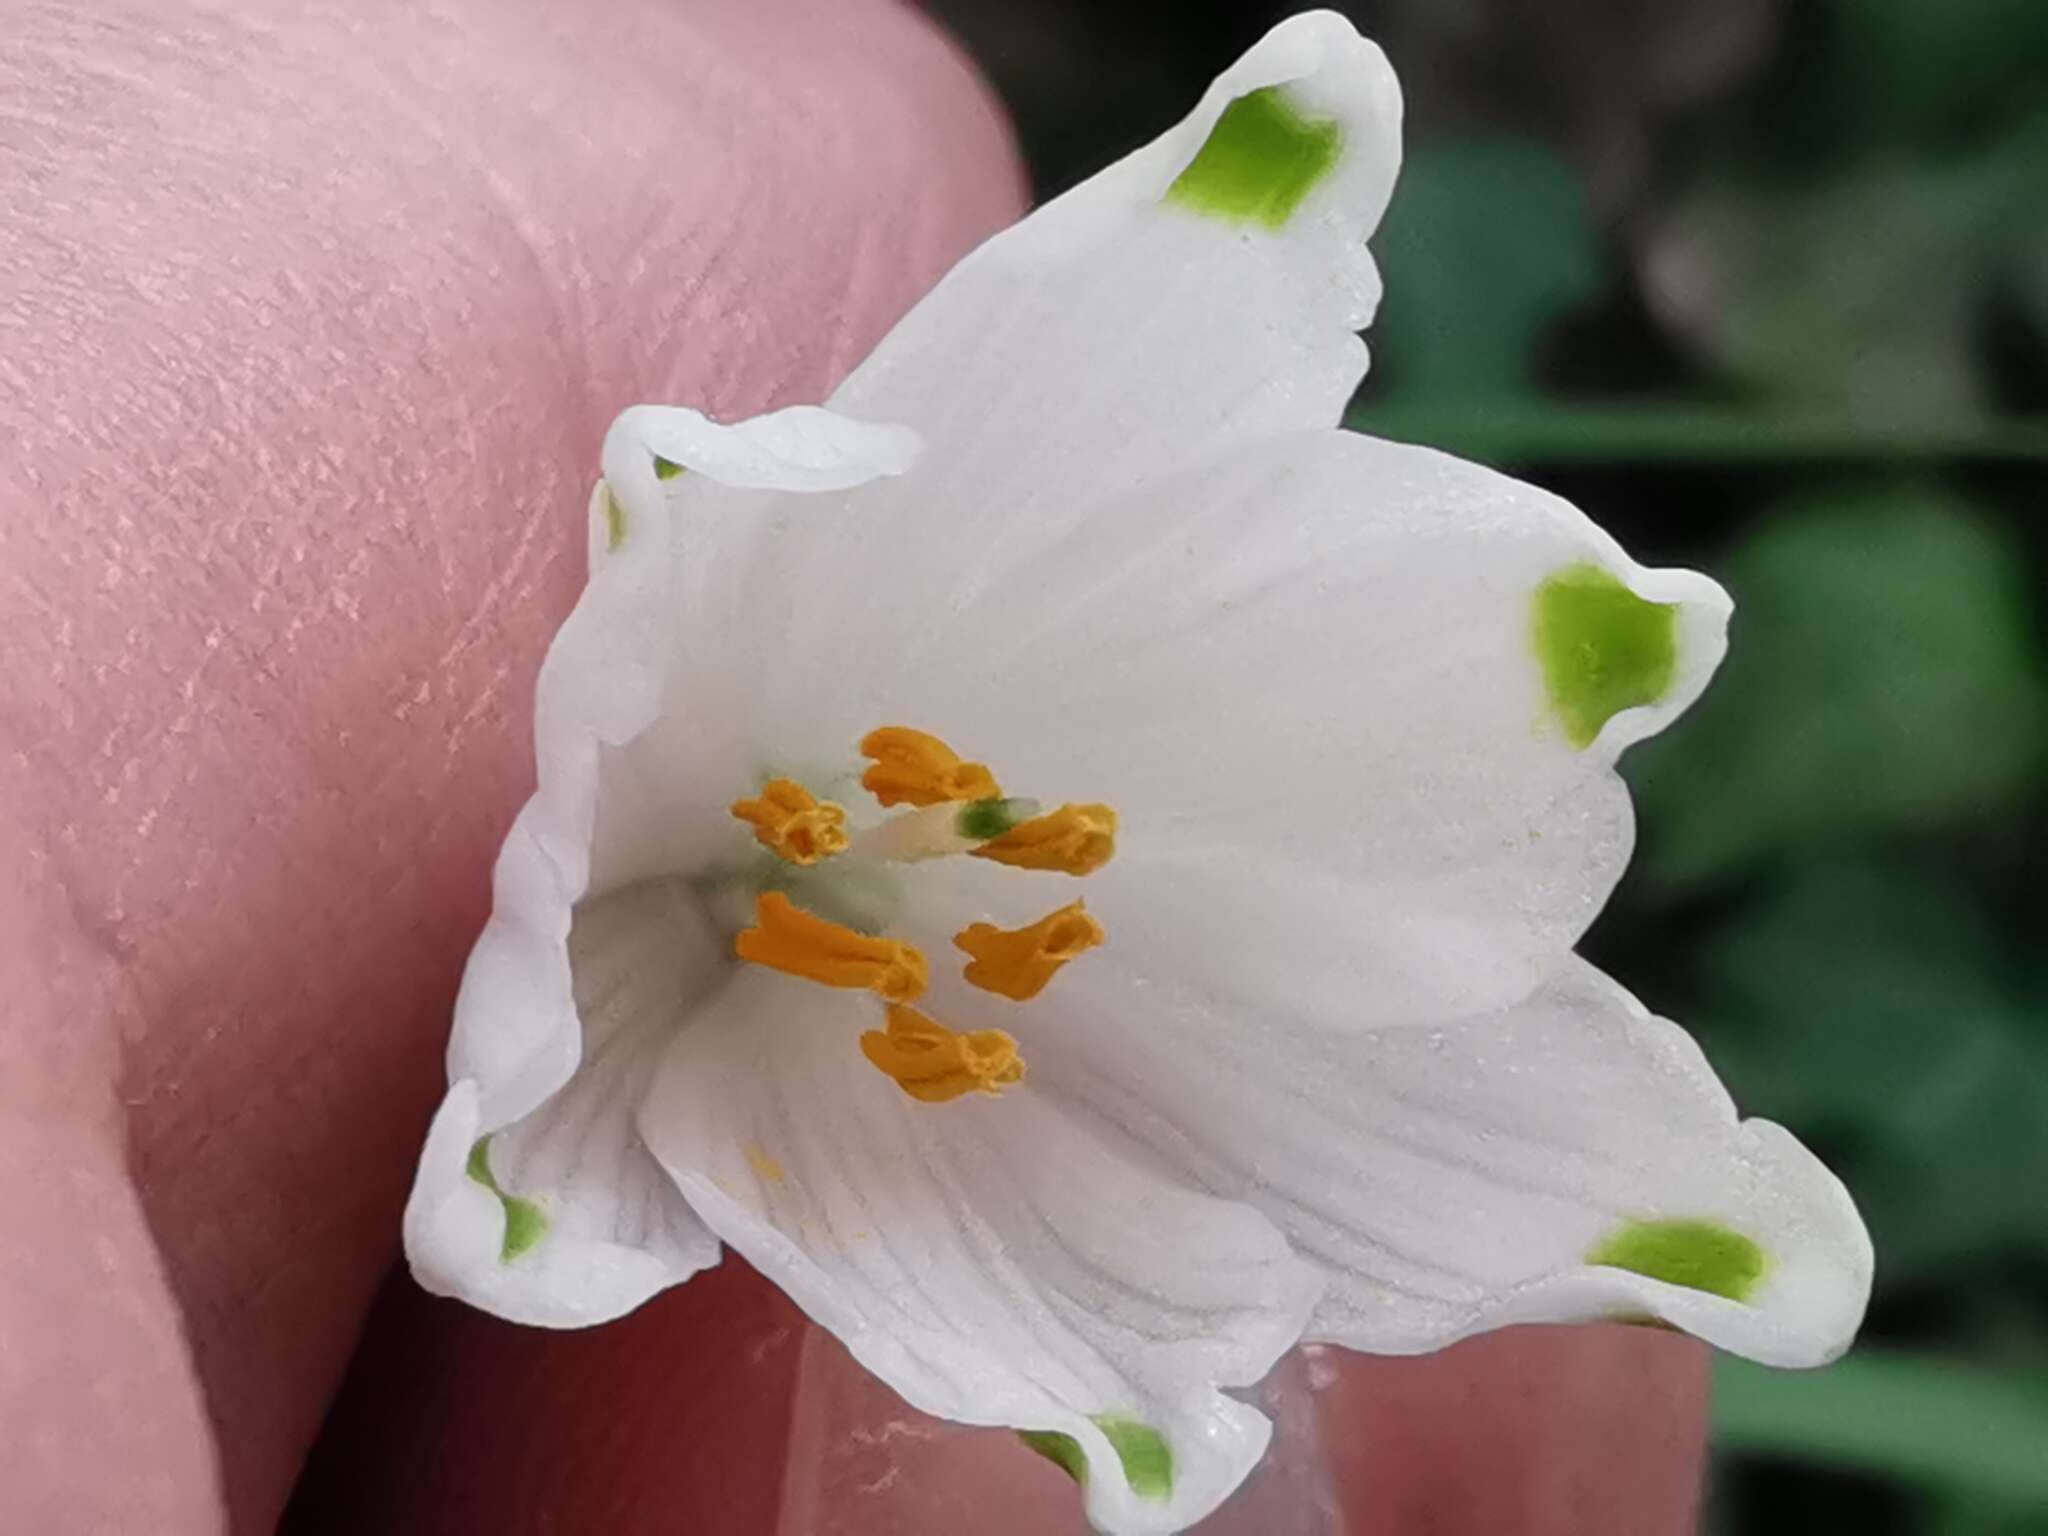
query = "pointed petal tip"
{"x": 1626, "y": 649}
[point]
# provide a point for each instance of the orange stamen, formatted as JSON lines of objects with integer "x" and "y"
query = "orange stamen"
{"x": 934, "y": 1064}
{"x": 912, "y": 767}
{"x": 1075, "y": 840}
{"x": 1017, "y": 963}
{"x": 794, "y": 823}
{"x": 786, "y": 938}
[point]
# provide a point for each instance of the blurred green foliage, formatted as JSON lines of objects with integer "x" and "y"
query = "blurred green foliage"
{"x": 1882, "y": 675}
{"x": 1974, "y": 1437}
{"x": 1492, "y": 246}
{"x": 1872, "y": 1004}
{"x": 1859, "y": 291}
{"x": 1763, "y": 285}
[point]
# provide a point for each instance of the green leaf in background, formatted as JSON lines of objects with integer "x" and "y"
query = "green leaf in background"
{"x": 1867, "y": 1003}
{"x": 1487, "y": 244}
{"x": 1861, "y": 293}
{"x": 1881, "y": 675}
{"x": 2026, "y": 268}
{"x": 1845, "y": 987}
{"x": 1534, "y": 431}
{"x": 1896, "y": 1415}
{"x": 1841, "y": 249}
{"x": 1932, "y": 73}
{"x": 1973, "y": 1514}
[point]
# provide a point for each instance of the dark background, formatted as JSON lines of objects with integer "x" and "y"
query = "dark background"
{"x": 1763, "y": 286}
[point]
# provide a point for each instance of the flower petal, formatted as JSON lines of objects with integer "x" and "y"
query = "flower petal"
{"x": 1202, "y": 291}
{"x": 1319, "y": 682}
{"x": 989, "y": 1260}
{"x": 580, "y": 1223}
{"x": 1564, "y": 1159}
{"x": 798, "y": 448}
{"x": 546, "y": 1056}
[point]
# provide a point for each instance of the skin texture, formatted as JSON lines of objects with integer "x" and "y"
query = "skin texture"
{"x": 311, "y": 318}
{"x": 743, "y": 1421}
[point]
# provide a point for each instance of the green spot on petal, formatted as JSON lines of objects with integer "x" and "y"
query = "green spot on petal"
{"x": 1259, "y": 161}
{"x": 1147, "y": 1459}
{"x": 1063, "y": 1451}
{"x": 1603, "y": 649}
{"x": 525, "y": 1225}
{"x": 980, "y": 820}
{"x": 480, "y": 1164}
{"x": 614, "y": 521}
{"x": 525, "y": 1222}
{"x": 666, "y": 469}
{"x": 1700, "y": 1255}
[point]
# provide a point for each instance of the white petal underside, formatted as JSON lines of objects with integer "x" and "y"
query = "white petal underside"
{"x": 986, "y": 1258}
{"x": 1456, "y": 1179}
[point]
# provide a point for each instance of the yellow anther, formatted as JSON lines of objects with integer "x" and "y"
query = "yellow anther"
{"x": 933, "y": 1063}
{"x": 793, "y": 822}
{"x": 1075, "y": 840}
{"x": 787, "y": 938}
{"x": 911, "y": 767}
{"x": 1017, "y": 963}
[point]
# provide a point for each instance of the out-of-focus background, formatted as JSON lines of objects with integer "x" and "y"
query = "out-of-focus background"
{"x": 1763, "y": 286}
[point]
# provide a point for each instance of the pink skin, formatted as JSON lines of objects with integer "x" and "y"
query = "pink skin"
{"x": 313, "y": 318}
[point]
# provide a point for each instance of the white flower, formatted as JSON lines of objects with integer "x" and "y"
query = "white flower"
{"x": 1314, "y": 1058}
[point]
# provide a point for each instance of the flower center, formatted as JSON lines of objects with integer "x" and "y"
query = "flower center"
{"x": 957, "y": 808}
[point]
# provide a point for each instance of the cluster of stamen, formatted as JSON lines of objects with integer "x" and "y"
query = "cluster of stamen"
{"x": 957, "y": 807}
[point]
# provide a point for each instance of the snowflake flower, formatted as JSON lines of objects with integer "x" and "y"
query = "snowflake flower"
{"x": 1069, "y": 862}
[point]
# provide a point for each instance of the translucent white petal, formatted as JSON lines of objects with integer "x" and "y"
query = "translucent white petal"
{"x": 1457, "y": 1179}
{"x": 455, "y": 1233}
{"x": 986, "y": 1258}
{"x": 1117, "y": 332}
{"x": 615, "y": 1229}
{"x": 1103, "y": 342}
{"x": 546, "y": 1057}
{"x": 1308, "y": 678}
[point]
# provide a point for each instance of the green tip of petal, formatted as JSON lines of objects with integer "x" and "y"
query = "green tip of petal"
{"x": 1260, "y": 160}
{"x": 1147, "y": 1459}
{"x": 1700, "y": 1255}
{"x": 666, "y": 469}
{"x": 980, "y": 820}
{"x": 525, "y": 1225}
{"x": 1602, "y": 648}
{"x": 614, "y": 521}
{"x": 1063, "y": 1451}
{"x": 525, "y": 1222}
{"x": 480, "y": 1164}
